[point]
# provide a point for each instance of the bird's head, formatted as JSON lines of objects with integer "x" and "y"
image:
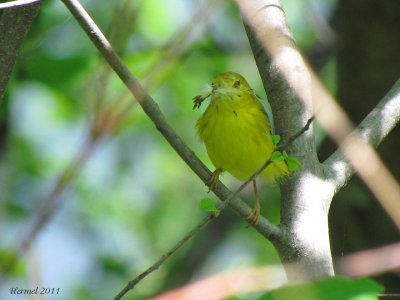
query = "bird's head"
{"x": 229, "y": 81}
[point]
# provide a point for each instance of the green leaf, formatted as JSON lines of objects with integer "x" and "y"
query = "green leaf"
{"x": 293, "y": 163}
{"x": 285, "y": 155}
{"x": 277, "y": 156}
{"x": 328, "y": 289}
{"x": 18, "y": 268}
{"x": 112, "y": 265}
{"x": 274, "y": 138}
{"x": 206, "y": 204}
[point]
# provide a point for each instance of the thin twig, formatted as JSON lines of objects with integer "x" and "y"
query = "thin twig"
{"x": 17, "y": 3}
{"x": 292, "y": 138}
{"x": 131, "y": 284}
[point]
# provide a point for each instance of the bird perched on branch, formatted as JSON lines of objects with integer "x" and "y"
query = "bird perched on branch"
{"x": 237, "y": 133}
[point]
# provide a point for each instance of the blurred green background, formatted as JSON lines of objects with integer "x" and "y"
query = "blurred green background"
{"x": 134, "y": 198}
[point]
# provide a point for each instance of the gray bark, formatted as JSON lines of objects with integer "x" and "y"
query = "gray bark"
{"x": 14, "y": 25}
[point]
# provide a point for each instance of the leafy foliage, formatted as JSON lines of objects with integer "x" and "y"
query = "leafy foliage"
{"x": 292, "y": 162}
{"x": 275, "y": 138}
{"x": 328, "y": 289}
{"x": 277, "y": 156}
{"x": 206, "y": 204}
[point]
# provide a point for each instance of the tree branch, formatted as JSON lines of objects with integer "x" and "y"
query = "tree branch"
{"x": 373, "y": 129}
{"x": 14, "y": 25}
{"x": 288, "y": 83}
{"x": 16, "y": 3}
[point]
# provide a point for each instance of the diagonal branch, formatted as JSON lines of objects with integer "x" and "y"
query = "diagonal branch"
{"x": 14, "y": 25}
{"x": 373, "y": 129}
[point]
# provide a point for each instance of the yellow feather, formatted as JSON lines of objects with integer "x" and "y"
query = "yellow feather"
{"x": 235, "y": 129}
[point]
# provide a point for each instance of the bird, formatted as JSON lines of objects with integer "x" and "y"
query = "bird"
{"x": 236, "y": 132}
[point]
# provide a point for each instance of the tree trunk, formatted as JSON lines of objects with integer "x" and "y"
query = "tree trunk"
{"x": 304, "y": 248}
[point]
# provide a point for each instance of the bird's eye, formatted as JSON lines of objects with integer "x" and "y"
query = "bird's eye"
{"x": 236, "y": 84}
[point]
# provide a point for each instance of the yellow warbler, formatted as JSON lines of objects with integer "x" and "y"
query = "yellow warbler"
{"x": 235, "y": 130}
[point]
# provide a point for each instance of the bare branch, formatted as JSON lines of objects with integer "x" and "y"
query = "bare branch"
{"x": 294, "y": 137}
{"x": 14, "y": 25}
{"x": 16, "y": 3}
{"x": 373, "y": 129}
